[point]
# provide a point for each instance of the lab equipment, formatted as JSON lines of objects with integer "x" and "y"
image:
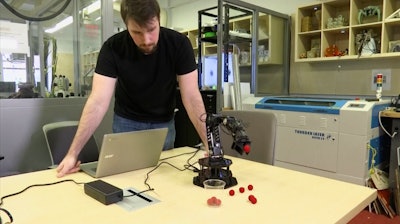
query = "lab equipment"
{"x": 328, "y": 137}
{"x": 215, "y": 166}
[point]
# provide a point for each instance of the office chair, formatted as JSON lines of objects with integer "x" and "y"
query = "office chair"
{"x": 59, "y": 136}
{"x": 260, "y": 127}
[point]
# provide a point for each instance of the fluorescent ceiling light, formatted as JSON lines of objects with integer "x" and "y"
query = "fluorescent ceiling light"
{"x": 92, "y": 7}
{"x": 67, "y": 21}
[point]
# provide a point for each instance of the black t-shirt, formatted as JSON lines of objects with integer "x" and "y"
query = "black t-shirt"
{"x": 146, "y": 84}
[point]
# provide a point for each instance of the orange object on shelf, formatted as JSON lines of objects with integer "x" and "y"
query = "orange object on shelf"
{"x": 332, "y": 51}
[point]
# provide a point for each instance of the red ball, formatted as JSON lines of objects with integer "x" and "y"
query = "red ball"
{"x": 252, "y": 199}
{"x": 214, "y": 201}
{"x": 246, "y": 148}
{"x": 241, "y": 189}
{"x": 250, "y": 187}
{"x": 231, "y": 192}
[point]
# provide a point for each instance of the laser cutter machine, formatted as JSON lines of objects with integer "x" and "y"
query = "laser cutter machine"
{"x": 328, "y": 137}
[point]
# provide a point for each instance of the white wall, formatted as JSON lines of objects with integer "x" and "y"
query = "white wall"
{"x": 185, "y": 16}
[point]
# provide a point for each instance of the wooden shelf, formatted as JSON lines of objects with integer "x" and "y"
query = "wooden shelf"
{"x": 317, "y": 28}
{"x": 89, "y": 60}
{"x": 88, "y": 65}
{"x": 270, "y": 38}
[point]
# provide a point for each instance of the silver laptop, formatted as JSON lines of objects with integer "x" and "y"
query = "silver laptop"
{"x": 127, "y": 151}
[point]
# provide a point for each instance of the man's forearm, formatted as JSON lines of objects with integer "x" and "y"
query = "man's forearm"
{"x": 197, "y": 115}
{"x": 90, "y": 119}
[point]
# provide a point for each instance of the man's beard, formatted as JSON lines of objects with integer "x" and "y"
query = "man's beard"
{"x": 148, "y": 49}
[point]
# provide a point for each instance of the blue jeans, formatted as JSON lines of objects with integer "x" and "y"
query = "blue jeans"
{"x": 121, "y": 124}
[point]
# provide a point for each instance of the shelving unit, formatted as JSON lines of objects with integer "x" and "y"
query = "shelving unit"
{"x": 258, "y": 36}
{"x": 89, "y": 63}
{"x": 349, "y": 25}
{"x": 192, "y": 36}
{"x": 267, "y": 23}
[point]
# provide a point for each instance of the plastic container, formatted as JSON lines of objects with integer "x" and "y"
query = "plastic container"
{"x": 214, "y": 184}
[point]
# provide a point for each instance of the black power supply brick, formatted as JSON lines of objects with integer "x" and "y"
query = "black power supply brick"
{"x": 103, "y": 192}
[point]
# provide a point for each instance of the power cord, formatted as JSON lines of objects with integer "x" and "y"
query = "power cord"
{"x": 37, "y": 185}
{"x": 8, "y": 214}
{"x": 25, "y": 189}
{"x": 383, "y": 128}
{"x": 374, "y": 152}
{"x": 187, "y": 166}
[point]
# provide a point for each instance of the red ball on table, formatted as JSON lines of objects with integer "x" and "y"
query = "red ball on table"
{"x": 214, "y": 201}
{"x": 252, "y": 199}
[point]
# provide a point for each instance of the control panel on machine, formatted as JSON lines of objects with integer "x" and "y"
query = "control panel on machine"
{"x": 357, "y": 105}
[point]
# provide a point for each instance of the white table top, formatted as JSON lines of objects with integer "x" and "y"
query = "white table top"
{"x": 283, "y": 196}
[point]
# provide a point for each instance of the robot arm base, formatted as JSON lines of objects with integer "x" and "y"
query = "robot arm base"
{"x": 215, "y": 169}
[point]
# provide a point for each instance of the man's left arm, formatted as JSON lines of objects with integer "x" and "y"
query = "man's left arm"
{"x": 193, "y": 103}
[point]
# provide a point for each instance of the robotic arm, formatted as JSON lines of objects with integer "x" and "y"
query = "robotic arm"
{"x": 215, "y": 166}
{"x": 235, "y": 128}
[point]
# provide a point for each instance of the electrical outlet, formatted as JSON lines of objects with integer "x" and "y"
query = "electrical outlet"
{"x": 386, "y": 77}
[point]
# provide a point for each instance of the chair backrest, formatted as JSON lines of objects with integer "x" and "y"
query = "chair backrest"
{"x": 59, "y": 136}
{"x": 260, "y": 127}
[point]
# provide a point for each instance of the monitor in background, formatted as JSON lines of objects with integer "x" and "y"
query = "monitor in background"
{"x": 6, "y": 89}
{"x": 210, "y": 70}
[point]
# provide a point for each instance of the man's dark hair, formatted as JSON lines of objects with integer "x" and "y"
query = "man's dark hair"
{"x": 141, "y": 11}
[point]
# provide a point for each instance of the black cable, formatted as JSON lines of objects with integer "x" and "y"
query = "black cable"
{"x": 148, "y": 173}
{"x": 8, "y": 214}
{"x": 186, "y": 166}
{"x": 19, "y": 192}
{"x": 186, "y": 153}
{"x": 36, "y": 185}
{"x": 37, "y": 19}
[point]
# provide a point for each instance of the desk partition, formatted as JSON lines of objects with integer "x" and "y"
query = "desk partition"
{"x": 22, "y": 141}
